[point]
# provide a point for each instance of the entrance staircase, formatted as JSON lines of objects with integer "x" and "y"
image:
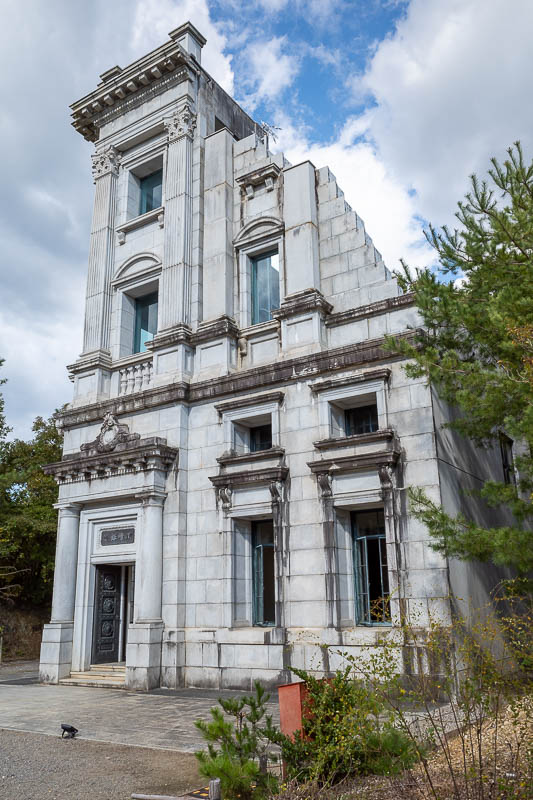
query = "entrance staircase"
{"x": 99, "y": 675}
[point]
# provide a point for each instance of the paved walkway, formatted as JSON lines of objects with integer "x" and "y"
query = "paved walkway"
{"x": 159, "y": 719}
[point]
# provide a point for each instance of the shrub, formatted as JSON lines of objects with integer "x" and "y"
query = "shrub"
{"x": 241, "y": 756}
{"x": 346, "y": 731}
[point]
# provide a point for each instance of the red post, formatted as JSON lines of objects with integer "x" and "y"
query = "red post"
{"x": 291, "y": 700}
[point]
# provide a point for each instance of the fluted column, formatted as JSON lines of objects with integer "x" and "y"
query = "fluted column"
{"x": 149, "y": 570}
{"x": 66, "y": 564}
{"x": 175, "y": 285}
{"x": 101, "y": 250}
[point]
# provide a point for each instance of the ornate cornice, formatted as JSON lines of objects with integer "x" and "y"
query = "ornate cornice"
{"x": 134, "y": 455}
{"x": 250, "y": 477}
{"x": 181, "y": 123}
{"x": 231, "y": 457}
{"x": 223, "y": 326}
{"x": 359, "y": 438}
{"x": 301, "y": 303}
{"x": 371, "y": 310}
{"x": 279, "y": 372}
{"x": 332, "y": 466}
{"x": 124, "y": 89}
{"x": 350, "y": 380}
{"x": 253, "y": 400}
{"x": 105, "y": 161}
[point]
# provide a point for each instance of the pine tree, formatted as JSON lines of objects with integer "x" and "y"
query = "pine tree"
{"x": 477, "y": 350}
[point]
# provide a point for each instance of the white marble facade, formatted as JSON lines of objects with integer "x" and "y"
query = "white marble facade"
{"x": 158, "y": 470}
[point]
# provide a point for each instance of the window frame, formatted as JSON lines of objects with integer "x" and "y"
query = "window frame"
{"x": 255, "y": 310}
{"x": 143, "y": 195}
{"x": 239, "y": 422}
{"x": 333, "y": 402}
{"x": 258, "y": 617}
{"x": 361, "y": 580}
{"x": 138, "y": 345}
{"x": 246, "y": 253}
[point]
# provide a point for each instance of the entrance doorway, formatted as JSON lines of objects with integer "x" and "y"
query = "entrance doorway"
{"x": 113, "y": 612}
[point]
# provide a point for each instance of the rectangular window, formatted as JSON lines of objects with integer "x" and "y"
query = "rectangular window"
{"x": 370, "y": 567}
{"x": 362, "y": 419}
{"x": 145, "y": 321}
{"x": 506, "y": 448}
{"x": 264, "y": 594}
{"x": 151, "y": 191}
{"x": 265, "y": 286}
{"x": 260, "y": 438}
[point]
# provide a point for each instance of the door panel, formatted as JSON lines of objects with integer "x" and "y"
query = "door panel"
{"x": 106, "y": 634}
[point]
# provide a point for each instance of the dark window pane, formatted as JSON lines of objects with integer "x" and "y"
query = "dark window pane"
{"x": 370, "y": 565}
{"x": 145, "y": 321}
{"x": 362, "y": 419}
{"x": 263, "y": 573}
{"x": 151, "y": 191}
{"x": 265, "y": 286}
{"x": 506, "y": 448}
{"x": 260, "y": 438}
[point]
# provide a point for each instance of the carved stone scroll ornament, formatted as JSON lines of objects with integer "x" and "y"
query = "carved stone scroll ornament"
{"x": 385, "y": 477}
{"x": 223, "y": 494}
{"x": 324, "y": 484}
{"x": 181, "y": 123}
{"x": 105, "y": 161}
{"x": 111, "y": 434}
{"x": 276, "y": 489}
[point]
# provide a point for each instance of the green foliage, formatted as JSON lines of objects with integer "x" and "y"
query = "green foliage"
{"x": 237, "y": 747}
{"x": 476, "y": 348}
{"x": 346, "y": 731}
{"x": 27, "y": 518}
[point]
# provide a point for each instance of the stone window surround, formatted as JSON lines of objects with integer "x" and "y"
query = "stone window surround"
{"x": 150, "y": 158}
{"x": 245, "y": 253}
{"x": 249, "y": 415}
{"x": 126, "y": 291}
{"x": 354, "y": 390}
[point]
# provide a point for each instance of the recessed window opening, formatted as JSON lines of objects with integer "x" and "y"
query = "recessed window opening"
{"x": 361, "y": 419}
{"x": 263, "y": 579}
{"x": 145, "y": 321}
{"x": 506, "y": 449}
{"x": 151, "y": 191}
{"x": 370, "y": 567}
{"x": 260, "y": 438}
{"x": 265, "y": 286}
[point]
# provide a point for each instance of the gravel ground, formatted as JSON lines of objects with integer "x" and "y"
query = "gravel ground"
{"x": 33, "y": 767}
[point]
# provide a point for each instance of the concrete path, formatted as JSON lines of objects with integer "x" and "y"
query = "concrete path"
{"x": 160, "y": 719}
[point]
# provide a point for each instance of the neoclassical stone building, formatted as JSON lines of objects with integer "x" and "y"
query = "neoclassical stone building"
{"x": 232, "y": 489}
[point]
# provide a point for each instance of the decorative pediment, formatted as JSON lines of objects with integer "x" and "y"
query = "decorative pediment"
{"x": 115, "y": 451}
{"x": 112, "y": 433}
{"x": 139, "y": 265}
{"x": 257, "y": 229}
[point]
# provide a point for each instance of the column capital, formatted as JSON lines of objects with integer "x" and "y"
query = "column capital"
{"x": 69, "y": 509}
{"x": 105, "y": 161}
{"x": 182, "y": 123}
{"x": 151, "y": 498}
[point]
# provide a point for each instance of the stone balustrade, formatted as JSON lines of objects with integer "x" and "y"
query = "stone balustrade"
{"x": 135, "y": 378}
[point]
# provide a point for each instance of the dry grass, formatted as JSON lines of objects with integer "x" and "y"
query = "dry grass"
{"x": 506, "y": 752}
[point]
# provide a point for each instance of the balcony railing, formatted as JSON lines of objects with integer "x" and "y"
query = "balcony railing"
{"x": 135, "y": 378}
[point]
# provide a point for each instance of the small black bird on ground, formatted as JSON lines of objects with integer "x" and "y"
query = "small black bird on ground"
{"x": 69, "y": 730}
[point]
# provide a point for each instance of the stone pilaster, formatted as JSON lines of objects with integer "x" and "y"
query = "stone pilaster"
{"x": 56, "y": 647}
{"x": 175, "y": 283}
{"x": 101, "y": 251}
{"x": 143, "y": 652}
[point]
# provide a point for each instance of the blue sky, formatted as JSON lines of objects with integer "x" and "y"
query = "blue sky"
{"x": 403, "y": 99}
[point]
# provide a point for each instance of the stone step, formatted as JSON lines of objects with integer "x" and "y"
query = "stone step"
{"x": 110, "y": 683}
{"x": 120, "y": 668}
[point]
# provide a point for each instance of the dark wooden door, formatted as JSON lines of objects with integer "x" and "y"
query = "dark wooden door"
{"x": 106, "y": 636}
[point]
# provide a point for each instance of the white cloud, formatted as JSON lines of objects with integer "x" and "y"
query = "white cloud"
{"x": 452, "y": 88}
{"x": 155, "y": 18}
{"x": 270, "y": 70}
{"x": 380, "y": 199}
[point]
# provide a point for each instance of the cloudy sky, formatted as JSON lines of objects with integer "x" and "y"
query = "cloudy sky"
{"x": 402, "y": 98}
